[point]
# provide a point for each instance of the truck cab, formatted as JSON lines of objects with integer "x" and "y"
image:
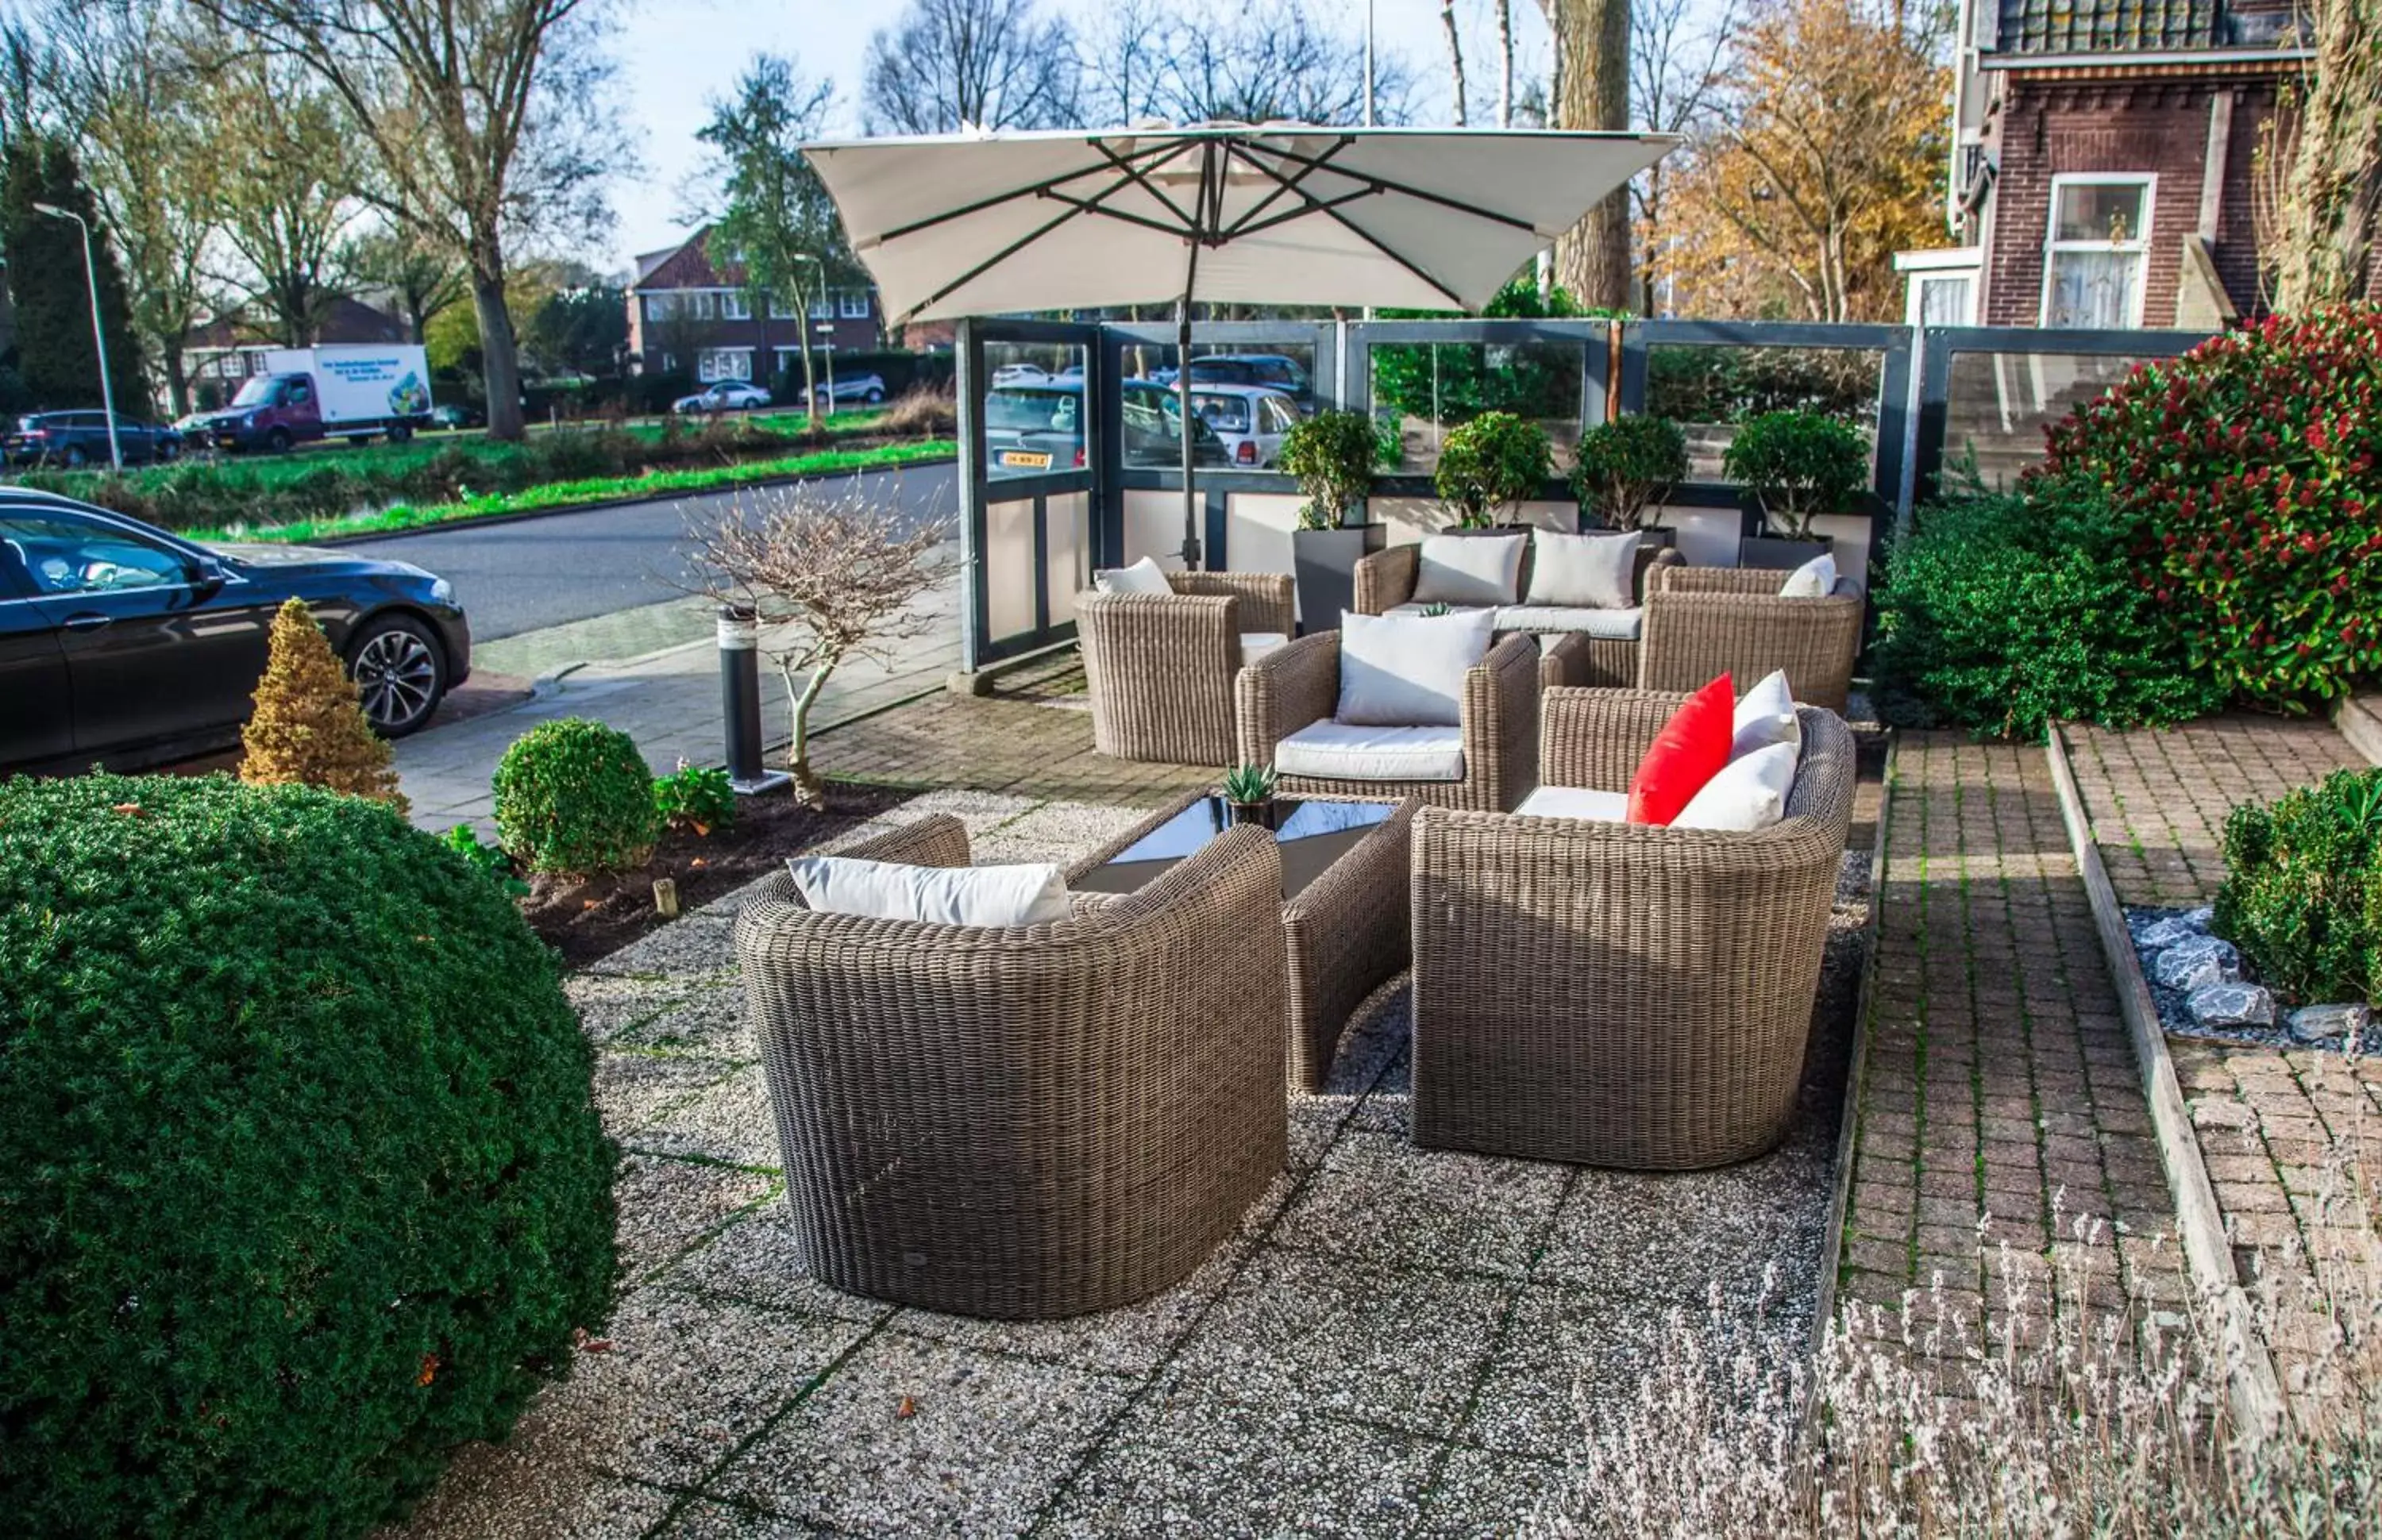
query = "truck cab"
{"x": 272, "y": 411}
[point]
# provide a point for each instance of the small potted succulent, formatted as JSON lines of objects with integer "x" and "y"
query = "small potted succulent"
{"x": 1796, "y": 466}
{"x": 1625, "y": 470}
{"x": 1248, "y": 791}
{"x": 1333, "y": 455}
{"x": 1491, "y": 465}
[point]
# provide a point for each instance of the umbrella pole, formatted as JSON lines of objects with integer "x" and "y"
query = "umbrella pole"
{"x": 1183, "y": 410}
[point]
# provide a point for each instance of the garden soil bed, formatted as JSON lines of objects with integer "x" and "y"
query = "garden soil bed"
{"x": 586, "y": 920}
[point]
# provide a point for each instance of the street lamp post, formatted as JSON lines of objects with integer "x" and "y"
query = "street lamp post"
{"x": 98, "y": 334}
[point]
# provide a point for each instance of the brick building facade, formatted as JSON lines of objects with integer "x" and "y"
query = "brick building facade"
{"x": 689, "y": 315}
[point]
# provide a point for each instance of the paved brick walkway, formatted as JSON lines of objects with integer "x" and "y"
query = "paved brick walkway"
{"x": 2293, "y": 1141}
{"x": 1999, "y": 1083}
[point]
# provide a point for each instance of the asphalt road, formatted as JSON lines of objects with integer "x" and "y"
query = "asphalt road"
{"x": 532, "y": 573}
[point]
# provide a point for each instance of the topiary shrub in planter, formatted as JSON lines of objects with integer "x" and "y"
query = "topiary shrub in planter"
{"x": 1490, "y": 465}
{"x": 2303, "y": 889}
{"x": 2000, "y": 614}
{"x": 1800, "y": 465}
{"x": 302, "y": 1182}
{"x": 575, "y": 797}
{"x": 2251, "y": 472}
{"x": 1625, "y": 468}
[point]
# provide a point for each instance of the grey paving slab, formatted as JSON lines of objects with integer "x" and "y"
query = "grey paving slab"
{"x": 757, "y": 1258}
{"x": 1379, "y": 1199}
{"x": 635, "y": 1091}
{"x": 668, "y": 1205}
{"x": 726, "y": 1120}
{"x": 1486, "y": 1493}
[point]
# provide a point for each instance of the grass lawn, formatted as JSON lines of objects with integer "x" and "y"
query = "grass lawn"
{"x": 555, "y": 495}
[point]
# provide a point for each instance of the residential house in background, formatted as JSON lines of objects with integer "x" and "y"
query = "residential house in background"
{"x": 2104, "y": 161}
{"x": 689, "y": 314}
{"x": 226, "y": 350}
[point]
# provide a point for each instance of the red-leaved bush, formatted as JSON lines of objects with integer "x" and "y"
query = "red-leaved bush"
{"x": 2250, "y": 470}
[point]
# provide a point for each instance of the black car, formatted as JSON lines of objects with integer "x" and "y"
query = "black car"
{"x": 75, "y": 439}
{"x": 122, "y": 645}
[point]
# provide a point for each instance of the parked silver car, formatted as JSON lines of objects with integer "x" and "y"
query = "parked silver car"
{"x": 726, "y": 395}
{"x": 867, "y": 389}
{"x": 1250, "y": 419}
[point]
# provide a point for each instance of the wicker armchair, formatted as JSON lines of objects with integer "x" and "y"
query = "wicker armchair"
{"x": 1024, "y": 1122}
{"x": 1287, "y": 689}
{"x": 1704, "y": 621}
{"x": 1160, "y": 665}
{"x": 1618, "y": 993}
{"x": 1387, "y": 578}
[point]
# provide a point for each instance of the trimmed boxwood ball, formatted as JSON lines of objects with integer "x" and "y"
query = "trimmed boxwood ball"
{"x": 302, "y": 1182}
{"x": 575, "y": 797}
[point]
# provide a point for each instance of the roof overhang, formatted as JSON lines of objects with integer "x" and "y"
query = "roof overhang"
{"x": 2184, "y": 58}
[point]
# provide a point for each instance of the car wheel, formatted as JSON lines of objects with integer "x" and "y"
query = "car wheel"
{"x": 169, "y": 450}
{"x": 874, "y": 396}
{"x": 277, "y": 441}
{"x": 399, "y": 432}
{"x": 399, "y": 673}
{"x": 76, "y": 458}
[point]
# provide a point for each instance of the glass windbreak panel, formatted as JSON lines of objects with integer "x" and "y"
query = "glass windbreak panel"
{"x": 1423, "y": 390}
{"x": 1271, "y": 369}
{"x": 1997, "y": 406}
{"x": 1034, "y": 409}
{"x": 1225, "y": 407}
{"x": 1708, "y": 391}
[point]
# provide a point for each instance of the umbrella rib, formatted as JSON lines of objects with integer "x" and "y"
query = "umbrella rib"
{"x": 980, "y": 269}
{"x": 1090, "y": 205}
{"x": 1031, "y": 190}
{"x": 1387, "y": 185}
{"x": 1330, "y": 210}
{"x": 1312, "y": 205}
{"x": 1243, "y": 224}
{"x": 1134, "y": 175}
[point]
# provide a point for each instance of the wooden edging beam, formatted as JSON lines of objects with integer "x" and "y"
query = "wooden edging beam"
{"x": 2253, "y": 1388}
{"x": 1857, "y": 1064}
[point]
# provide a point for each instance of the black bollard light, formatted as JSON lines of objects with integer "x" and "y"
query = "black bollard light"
{"x": 740, "y": 702}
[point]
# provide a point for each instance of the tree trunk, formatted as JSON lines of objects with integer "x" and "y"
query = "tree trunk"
{"x": 500, "y": 352}
{"x": 178, "y": 379}
{"x": 2330, "y": 200}
{"x": 810, "y": 790}
{"x": 1455, "y": 57}
{"x": 1504, "y": 63}
{"x": 1592, "y": 39}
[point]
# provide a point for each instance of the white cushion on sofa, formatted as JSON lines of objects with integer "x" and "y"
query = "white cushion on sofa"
{"x": 1033, "y": 894}
{"x": 1816, "y": 578}
{"x": 1350, "y": 752}
{"x": 1257, "y": 644}
{"x": 1597, "y": 571}
{"x": 1610, "y": 625}
{"x": 1749, "y": 793}
{"x": 1470, "y": 569}
{"x": 1574, "y": 801}
{"x": 1413, "y": 611}
{"x": 1766, "y": 715}
{"x": 1406, "y": 671}
{"x": 1143, "y": 577}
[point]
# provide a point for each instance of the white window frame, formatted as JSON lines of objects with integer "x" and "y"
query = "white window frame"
{"x": 707, "y": 370}
{"x": 661, "y": 307}
{"x": 780, "y": 307}
{"x": 735, "y": 305}
{"x": 852, "y": 304}
{"x": 2139, "y": 246}
{"x": 822, "y": 307}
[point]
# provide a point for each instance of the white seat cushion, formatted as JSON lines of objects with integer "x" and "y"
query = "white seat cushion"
{"x": 1407, "y": 671}
{"x": 1352, "y": 751}
{"x": 1597, "y": 571}
{"x": 1033, "y": 894}
{"x": 1574, "y": 801}
{"x": 1816, "y": 578}
{"x": 1470, "y": 569}
{"x": 1143, "y": 577}
{"x": 1257, "y": 644}
{"x": 1422, "y": 612}
{"x": 1748, "y": 794}
{"x": 1610, "y": 625}
{"x": 1766, "y": 715}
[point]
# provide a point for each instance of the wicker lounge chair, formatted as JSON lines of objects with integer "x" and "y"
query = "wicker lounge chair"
{"x": 1616, "y": 994}
{"x": 1704, "y": 621}
{"x": 1386, "y": 579}
{"x": 1160, "y": 665}
{"x": 1024, "y": 1122}
{"x": 1299, "y": 685}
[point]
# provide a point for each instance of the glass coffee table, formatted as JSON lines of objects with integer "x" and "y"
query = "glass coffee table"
{"x": 1345, "y": 907}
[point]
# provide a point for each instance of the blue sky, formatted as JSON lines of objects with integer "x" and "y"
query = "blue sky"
{"x": 675, "y": 56}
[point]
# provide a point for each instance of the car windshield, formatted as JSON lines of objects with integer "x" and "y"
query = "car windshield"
{"x": 257, "y": 392}
{"x": 1033, "y": 411}
{"x": 1226, "y": 413}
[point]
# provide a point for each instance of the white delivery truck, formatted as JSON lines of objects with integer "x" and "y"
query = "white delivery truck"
{"x": 353, "y": 390}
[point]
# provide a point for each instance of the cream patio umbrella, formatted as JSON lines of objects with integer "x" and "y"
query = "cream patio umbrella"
{"x": 990, "y": 223}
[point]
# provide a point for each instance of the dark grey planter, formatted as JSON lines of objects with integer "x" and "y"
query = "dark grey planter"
{"x": 1323, "y": 565}
{"x": 1778, "y": 553}
{"x": 1659, "y": 540}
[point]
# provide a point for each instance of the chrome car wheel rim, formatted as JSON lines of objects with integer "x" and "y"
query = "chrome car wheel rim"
{"x": 395, "y": 675}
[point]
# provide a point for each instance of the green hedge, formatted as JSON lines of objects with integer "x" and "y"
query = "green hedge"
{"x": 2303, "y": 889}
{"x": 302, "y": 1182}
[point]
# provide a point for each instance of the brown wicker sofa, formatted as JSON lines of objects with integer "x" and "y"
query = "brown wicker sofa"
{"x": 1298, "y": 685}
{"x": 1704, "y": 621}
{"x": 1617, "y": 993}
{"x": 1024, "y": 1122}
{"x": 1386, "y": 579}
{"x": 1160, "y": 665}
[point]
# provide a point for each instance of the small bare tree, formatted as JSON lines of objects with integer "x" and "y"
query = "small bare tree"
{"x": 830, "y": 575}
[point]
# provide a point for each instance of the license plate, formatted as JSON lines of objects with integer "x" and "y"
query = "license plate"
{"x": 1025, "y": 460}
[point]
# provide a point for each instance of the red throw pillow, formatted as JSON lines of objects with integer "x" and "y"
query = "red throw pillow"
{"x": 1689, "y": 751}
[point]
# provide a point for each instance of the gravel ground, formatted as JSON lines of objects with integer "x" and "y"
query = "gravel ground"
{"x": 1398, "y": 1341}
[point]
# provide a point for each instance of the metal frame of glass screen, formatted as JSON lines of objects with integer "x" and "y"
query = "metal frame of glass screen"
{"x": 1595, "y": 338}
{"x": 979, "y": 646}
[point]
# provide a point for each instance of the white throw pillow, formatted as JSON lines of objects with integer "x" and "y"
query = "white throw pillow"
{"x": 1584, "y": 572}
{"x": 1766, "y": 715}
{"x": 1402, "y": 671}
{"x": 1143, "y": 577}
{"x": 1469, "y": 569}
{"x": 1748, "y": 794}
{"x": 1816, "y": 578}
{"x": 1033, "y": 894}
